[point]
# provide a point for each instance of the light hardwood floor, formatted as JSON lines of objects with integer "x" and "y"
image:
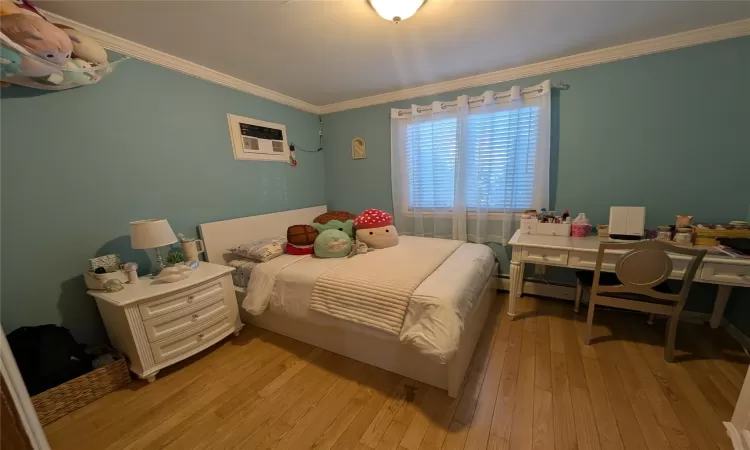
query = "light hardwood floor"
{"x": 532, "y": 385}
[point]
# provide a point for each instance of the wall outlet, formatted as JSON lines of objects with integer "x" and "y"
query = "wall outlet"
{"x": 540, "y": 269}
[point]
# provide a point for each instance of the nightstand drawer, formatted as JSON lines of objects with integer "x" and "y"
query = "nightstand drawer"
{"x": 726, "y": 273}
{"x": 166, "y": 305}
{"x": 186, "y": 342}
{"x": 545, "y": 255}
{"x": 186, "y": 319}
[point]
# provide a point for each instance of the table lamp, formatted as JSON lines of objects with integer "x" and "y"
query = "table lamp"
{"x": 152, "y": 233}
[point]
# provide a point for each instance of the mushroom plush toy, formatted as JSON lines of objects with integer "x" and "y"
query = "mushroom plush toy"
{"x": 375, "y": 228}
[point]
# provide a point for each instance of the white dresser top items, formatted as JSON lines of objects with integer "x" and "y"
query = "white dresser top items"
{"x": 148, "y": 287}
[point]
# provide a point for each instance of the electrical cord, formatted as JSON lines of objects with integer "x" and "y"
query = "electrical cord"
{"x": 294, "y": 147}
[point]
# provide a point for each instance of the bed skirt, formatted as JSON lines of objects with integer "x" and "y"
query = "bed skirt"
{"x": 388, "y": 354}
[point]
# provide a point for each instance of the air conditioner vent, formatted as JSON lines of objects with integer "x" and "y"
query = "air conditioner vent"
{"x": 258, "y": 140}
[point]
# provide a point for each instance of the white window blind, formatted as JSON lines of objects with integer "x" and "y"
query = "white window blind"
{"x": 499, "y": 161}
{"x": 431, "y": 149}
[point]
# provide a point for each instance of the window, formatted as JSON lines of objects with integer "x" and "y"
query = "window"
{"x": 501, "y": 149}
{"x": 431, "y": 149}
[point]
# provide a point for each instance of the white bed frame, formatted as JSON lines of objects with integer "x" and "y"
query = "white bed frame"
{"x": 388, "y": 354}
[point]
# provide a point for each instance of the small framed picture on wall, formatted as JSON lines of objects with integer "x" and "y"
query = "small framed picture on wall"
{"x": 358, "y": 148}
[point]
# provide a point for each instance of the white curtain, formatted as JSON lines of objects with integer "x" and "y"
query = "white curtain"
{"x": 466, "y": 169}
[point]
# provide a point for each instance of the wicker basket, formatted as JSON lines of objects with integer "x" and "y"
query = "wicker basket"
{"x": 61, "y": 400}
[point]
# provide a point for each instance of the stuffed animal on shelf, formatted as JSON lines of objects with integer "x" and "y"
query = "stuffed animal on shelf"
{"x": 346, "y": 227}
{"x": 7, "y": 7}
{"x": 35, "y": 69}
{"x": 84, "y": 47}
{"x": 375, "y": 228}
{"x": 10, "y": 62}
{"x": 18, "y": 7}
{"x": 75, "y": 77}
{"x": 39, "y": 37}
{"x": 332, "y": 244}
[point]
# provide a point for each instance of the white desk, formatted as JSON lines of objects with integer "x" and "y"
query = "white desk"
{"x": 580, "y": 253}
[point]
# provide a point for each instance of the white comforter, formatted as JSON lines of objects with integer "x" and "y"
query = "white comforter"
{"x": 436, "y": 312}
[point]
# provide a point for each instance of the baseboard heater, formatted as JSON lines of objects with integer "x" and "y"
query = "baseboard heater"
{"x": 542, "y": 289}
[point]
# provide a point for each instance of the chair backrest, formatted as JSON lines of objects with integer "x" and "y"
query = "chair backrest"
{"x": 646, "y": 266}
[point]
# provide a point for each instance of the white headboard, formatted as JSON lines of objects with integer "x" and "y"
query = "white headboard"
{"x": 220, "y": 236}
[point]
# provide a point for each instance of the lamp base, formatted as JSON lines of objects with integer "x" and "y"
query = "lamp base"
{"x": 159, "y": 263}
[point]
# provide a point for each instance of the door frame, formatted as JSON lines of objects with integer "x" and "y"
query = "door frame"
{"x": 20, "y": 396}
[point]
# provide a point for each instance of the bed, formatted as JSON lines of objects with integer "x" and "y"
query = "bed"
{"x": 442, "y": 320}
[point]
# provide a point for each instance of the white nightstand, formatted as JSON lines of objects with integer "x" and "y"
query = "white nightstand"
{"x": 158, "y": 324}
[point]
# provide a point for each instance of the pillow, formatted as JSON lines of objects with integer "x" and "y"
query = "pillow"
{"x": 301, "y": 235}
{"x": 346, "y": 227}
{"x": 332, "y": 244}
{"x": 300, "y": 249}
{"x": 341, "y": 216}
{"x": 261, "y": 250}
{"x": 244, "y": 268}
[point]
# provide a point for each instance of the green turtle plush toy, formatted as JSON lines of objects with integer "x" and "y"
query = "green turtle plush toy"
{"x": 332, "y": 244}
{"x": 347, "y": 227}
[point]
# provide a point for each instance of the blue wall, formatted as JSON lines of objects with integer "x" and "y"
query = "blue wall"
{"x": 668, "y": 131}
{"x": 78, "y": 165}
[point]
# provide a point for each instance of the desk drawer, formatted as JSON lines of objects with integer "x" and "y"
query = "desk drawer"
{"x": 553, "y": 229}
{"x": 587, "y": 260}
{"x": 679, "y": 266}
{"x": 545, "y": 256}
{"x": 726, "y": 273}
{"x": 175, "y": 302}
{"x": 186, "y": 342}
{"x": 186, "y": 319}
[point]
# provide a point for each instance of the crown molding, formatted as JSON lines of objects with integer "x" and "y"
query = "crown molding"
{"x": 626, "y": 51}
{"x": 138, "y": 51}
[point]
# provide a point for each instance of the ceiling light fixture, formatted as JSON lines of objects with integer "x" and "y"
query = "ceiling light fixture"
{"x": 396, "y": 10}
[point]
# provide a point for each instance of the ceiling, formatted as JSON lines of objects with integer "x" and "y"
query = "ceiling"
{"x": 324, "y": 52}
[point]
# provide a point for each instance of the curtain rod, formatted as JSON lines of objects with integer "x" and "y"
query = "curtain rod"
{"x": 559, "y": 86}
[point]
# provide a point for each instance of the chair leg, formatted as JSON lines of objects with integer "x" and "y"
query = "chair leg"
{"x": 579, "y": 294}
{"x": 590, "y": 319}
{"x": 671, "y": 336}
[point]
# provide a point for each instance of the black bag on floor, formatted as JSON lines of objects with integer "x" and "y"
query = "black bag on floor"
{"x": 47, "y": 356}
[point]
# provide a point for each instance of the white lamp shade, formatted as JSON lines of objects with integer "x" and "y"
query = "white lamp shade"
{"x": 396, "y": 10}
{"x": 151, "y": 233}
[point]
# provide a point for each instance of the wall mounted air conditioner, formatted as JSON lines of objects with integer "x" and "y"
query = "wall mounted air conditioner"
{"x": 258, "y": 140}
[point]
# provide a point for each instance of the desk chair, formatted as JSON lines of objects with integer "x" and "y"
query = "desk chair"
{"x": 639, "y": 284}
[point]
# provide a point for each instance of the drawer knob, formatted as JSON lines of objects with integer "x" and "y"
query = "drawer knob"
{"x": 191, "y": 298}
{"x": 195, "y": 317}
{"x": 200, "y": 336}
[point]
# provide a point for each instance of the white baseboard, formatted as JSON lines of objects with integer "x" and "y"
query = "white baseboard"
{"x": 564, "y": 292}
